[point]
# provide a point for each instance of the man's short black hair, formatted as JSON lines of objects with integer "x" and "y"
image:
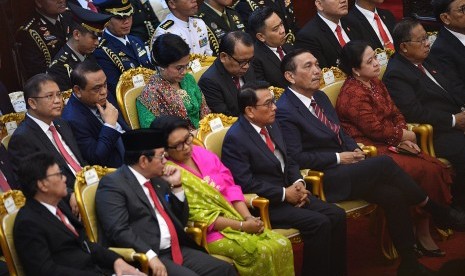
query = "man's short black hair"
{"x": 288, "y": 62}
{"x": 441, "y": 6}
{"x": 32, "y": 169}
{"x": 402, "y": 31}
{"x": 248, "y": 94}
{"x": 257, "y": 19}
{"x": 228, "y": 42}
{"x": 78, "y": 74}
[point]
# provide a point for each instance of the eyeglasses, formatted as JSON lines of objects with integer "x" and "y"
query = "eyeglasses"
{"x": 242, "y": 63}
{"x": 182, "y": 68}
{"x": 181, "y": 145}
{"x": 50, "y": 97}
{"x": 160, "y": 156}
{"x": 423, "y": 40}
{"x": 461, "y": 9}
{"x": 60, "y": 174}
{"x": 269, "y": 103}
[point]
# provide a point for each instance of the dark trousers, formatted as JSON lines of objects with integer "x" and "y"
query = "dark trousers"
{"x": 195, "y": 263}
{"x": 458, "y": 187}
{"x": 323, "y": 229}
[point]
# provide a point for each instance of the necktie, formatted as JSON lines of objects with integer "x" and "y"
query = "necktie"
{"x": 225, "y": 18}
{"x": 383, "y": 34}
{"x": 91, "y": 6}
{"x": 269, "y": 143}
{"x": 421, "y": 68}
{"x": 175, "y": 248}
{"x": 67, "y": 224}
{"x": 339, "y": 36}
{"x": 280, "y": 52}
{"x": 3, "y": 183}
{"x": 237, "y": 82}
{"x": 76, "y": 167}
{"x": 322, "y": 117}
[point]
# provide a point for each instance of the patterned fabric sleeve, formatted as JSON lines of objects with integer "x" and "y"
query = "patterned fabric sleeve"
{"x": 146, "y": 117}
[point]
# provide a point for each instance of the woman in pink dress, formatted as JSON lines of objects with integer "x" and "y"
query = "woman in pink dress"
{"x": 368, "y": 114}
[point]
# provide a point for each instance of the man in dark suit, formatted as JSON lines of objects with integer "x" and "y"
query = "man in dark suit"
{"x": 327, "y": 32}
{"x": 8, "y": 179}
{"x": 255, "y": 152}
{"x": 40, "y": 39}
{"x": 374, "y": 25}
{"x": 118, "y": 50}
{"x": 221, "y": 82}
{"x": 315, "y": 140}
{"x": 142, "y": 205}
{"x": 220, "y": 19}
{"x": 270, "y": 46}
{"x": 448, "y": 49}
{"x": 96, "y": 123}
{"x": 424, "y": 95}
{"x": 43, "y": 130}
{"x": 49, "y": 240}
{"x": 86, "y": 29}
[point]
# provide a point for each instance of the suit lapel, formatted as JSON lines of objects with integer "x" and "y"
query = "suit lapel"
{"x": 272, "y": 56}
{"x": 367, "y": 26}
{"x": 227, "y": 80}
{"x": 47, "y": 215}
{"x": 328, "y": 34}
{"x": 67, "y": 137}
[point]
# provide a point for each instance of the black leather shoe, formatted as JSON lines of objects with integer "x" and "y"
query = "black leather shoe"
{"x": 414, "y": 269}
{"x": 420, "y": 250}
{"x": 454, "y": 220}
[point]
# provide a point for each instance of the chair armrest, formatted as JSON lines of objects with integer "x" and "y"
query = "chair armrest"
{"x": 195, "y": 233}
{"x": 370, "y": 151}
{"x": 254, "y": 201}
{"x": 130, "y": 255}
{"x": 424, "y": 131}
{"x": 315, "y": 178}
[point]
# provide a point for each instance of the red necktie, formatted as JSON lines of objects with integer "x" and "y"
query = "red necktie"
{"x": 322, "y": 117}
{"x": 339, "y": 36}
{"x": 67, "y": 224}
{"x": 4, "y": 183}
{"x": 422, "y": 69}
{"x": 175, "y": 248}
{"x": 76, "y": 167}
{"x": 269, "y": 143}
{"x": 383, "y": 34}
{"x": 91, "y": 6}
{"x": 237, "y": 82}
{"x": 280, "y": 52}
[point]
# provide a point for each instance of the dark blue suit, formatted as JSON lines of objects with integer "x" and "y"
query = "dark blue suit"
{"x": 99, "y": 144}
{"x": 257, "y": 170}
{"x": 114, "y": 57}
{"x": 378, "y": 179}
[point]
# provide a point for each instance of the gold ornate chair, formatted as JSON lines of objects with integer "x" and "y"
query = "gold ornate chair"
{"x": 14, "y": 118}
{"x": 6, "y": 231}
{"x": 277, "y": 91}
{"x": 336, "y": 73}
{"x": 205, "y": 62}
{"x": 6, "y": 141}
{"x": 66, "y": 95}
{"x": 127, "y": 92}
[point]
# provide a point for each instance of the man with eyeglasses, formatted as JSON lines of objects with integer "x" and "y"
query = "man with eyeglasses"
{"x": 255, "y": 151}
{"x": 44, "y": 130}
{"x": 96, "y": 123}
{"x": 232, "y": 69}
{"x": 448, "y": 50}
{"x": 118, "y": 50}
{"x": 143, "y": 206}
{"x": 49, "y": 240}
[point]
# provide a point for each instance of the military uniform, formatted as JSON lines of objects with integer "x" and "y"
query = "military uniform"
{"x": 284, "y": 8}
{"x": 217, "y": 26}
{"x": 144, "y": 20}
{"x": 39, "y": 41}
{"x": 194, "y": 32}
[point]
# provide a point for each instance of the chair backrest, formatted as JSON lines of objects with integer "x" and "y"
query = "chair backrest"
{"x": 214, "y": 141}
{"x": 332, "y": 91}
{"x": 383, "y": 60}
{"x": 6, "y": 231}
{"x": 204, "y": 124}
{"x": 85, "y": 197}
{"x": 10, "y": 121}
{"x": 197, "y": 75}
{"x": 277, "y": 91}
{"x": 6, "y": 141}
{"x": 130, "y": 106}
{"x": 127, "y": 81}
{"x": 336, "y": 73}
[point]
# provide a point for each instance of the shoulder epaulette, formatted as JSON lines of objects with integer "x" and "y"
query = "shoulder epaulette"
{"x": 252, "y": 5}
{"x": 114, "y": 58}
{"x": 201, "y": 15}
{"x": 167, "y": 24}
{"x": 28, "y": 25}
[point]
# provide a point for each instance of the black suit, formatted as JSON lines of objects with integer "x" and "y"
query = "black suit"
{"x": 266, "y": 64}
{"x": 422, "y": 101}
{"x": 317, "y": 37}
{"x": 257, "y": 170}
{"x": 144, "y": 20}
{"x": 128, "y": 220}
{"x": 45, "y": 246}
{"x": 364, "y": 28}
{"x": 219, "y": 89}
{"x": 29, "y": 138}
{"x": 5, "y": 103}
{"x": 447, "y": 54}
{"x": 7, "y": 168}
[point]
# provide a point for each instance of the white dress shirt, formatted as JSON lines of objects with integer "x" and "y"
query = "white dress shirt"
{"x": 370, "y": 16}
{"x": 459, "y": 36}
{"x": 333, "y": 26}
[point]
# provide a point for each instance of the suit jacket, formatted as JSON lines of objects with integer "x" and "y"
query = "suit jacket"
{"x": 29, "y": 138}
{"x": 7, "y": 168}
{"x": 267, "y": 65}
{"x": 312, "y": 144}
{"x": 447, "y": 54}
{"x": 46, "y": 246}
{"x": 364, "y": 28}
{"x": 422, "y": 101}
{"x": 144, "y": 20}
{"x": 99, "y": 144}
{"x": 254, "y": 167}
{"x": 5, "y": 103}
{"x": 317, "y": 37}
{"x": 219, "y": 89}
{"x": 127, "y": 217}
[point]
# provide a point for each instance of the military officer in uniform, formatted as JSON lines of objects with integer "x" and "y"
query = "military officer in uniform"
{"x": 40, "y": 39}
{"x": 118, "y": 51}
{"x": 284, "y": 8}
{"x": 181, "y": 21}
{"x": 87, "y": 28}
{"x": 144, "y": 20}
{"x": 220, "y": 19}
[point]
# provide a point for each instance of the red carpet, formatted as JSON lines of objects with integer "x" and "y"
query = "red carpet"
{"x": 365, "y": 257}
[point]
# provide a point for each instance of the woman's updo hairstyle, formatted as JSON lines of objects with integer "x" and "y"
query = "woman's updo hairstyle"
{"x": 168, "y": 48}
{"x": 352, "y": 55}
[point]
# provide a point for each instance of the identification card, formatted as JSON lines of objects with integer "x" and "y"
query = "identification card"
{"x": 91, "y": 177}
{"x": 10, "y": 205}
{"x": 329, "y": 77}
{"x": 195, "y": 65}
{"x": 216, "y": 125}
{"x": 382, "y": 58}
{"x": 138, "y": 80}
